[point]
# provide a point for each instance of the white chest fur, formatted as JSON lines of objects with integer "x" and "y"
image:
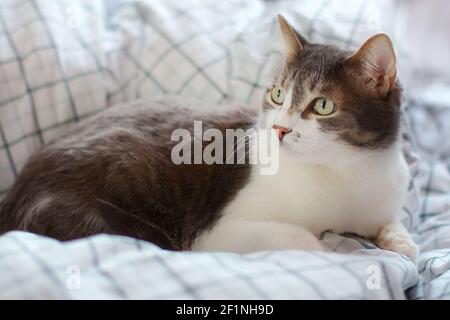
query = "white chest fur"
{"x": 360, "y": 198}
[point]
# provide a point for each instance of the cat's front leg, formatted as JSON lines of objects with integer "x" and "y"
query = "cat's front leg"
{"x": 245, "y": 236}
{"x": 395, "y": 237}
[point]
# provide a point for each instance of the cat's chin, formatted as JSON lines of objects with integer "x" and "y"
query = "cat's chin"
{"x": 288, "y": 153}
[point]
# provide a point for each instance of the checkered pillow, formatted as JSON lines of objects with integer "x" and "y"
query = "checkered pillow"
{"x": 52, "y": 74}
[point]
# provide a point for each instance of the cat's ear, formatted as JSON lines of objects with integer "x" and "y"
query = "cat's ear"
{"x": 376, "y": 63}
{"x": 293, "y": 42}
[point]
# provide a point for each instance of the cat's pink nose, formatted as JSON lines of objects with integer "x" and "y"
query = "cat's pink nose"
{"x": 281, "y": 131}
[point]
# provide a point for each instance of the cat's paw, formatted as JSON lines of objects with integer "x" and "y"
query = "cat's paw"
{"x": 394, "y": 237}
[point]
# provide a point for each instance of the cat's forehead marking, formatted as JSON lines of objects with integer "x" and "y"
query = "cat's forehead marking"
{"x": 303, "y": 93}
{"x": 288, "y": 101}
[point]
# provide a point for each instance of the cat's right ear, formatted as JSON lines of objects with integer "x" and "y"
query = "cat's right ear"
{"x": 375, "y": 63}
{"x": 293, "y": 42}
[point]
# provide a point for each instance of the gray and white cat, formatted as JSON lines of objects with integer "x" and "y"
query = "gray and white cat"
{"x": 340, "y": 168}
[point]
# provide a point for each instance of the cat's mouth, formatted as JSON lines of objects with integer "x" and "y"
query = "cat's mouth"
{"x": 286, "y": 150}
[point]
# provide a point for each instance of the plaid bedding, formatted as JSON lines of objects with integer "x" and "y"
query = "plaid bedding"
{"x": 62, "y": 61}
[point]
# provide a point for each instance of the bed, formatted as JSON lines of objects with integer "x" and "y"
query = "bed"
{"x": 63, "y": 61}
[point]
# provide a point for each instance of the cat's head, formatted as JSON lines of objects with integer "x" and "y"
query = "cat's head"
{"x": 328, "y": 104}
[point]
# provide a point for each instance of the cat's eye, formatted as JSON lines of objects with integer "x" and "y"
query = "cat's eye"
{"x": 324, "y": 106}
{"x": 277, "y": 95}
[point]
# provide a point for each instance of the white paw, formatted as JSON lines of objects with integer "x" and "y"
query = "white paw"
{"x": 396, "y": 238}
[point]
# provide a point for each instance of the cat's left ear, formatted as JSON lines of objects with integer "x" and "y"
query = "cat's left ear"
{"x": 293, "y": 42}
{"x": 375, "y": 60}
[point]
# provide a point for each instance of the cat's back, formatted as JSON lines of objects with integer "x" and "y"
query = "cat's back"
{"x": 164, "y": 114}
{"x": 114, "y": 173}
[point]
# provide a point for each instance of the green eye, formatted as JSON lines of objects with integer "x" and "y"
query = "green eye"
{"x": 324, "y": 107}
{"x": 277, "y": 95}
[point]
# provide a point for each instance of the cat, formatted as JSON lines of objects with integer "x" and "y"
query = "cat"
{"x": 336, "y": 114}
